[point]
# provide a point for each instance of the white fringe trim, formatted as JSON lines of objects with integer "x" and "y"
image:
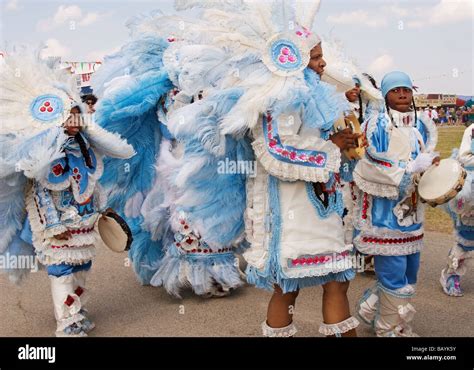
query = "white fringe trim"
{"x": 285, "y": 332}
{"x": 339, "y": 328}
{"x": 73, "y": 256}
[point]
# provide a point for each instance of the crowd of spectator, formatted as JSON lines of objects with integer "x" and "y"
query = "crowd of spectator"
{"x": 450, "y": 116}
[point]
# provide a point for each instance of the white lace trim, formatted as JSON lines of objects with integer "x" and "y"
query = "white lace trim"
{"x": 52, "y": 231}
{"x": 339, "y": 328}
{"x": 388, "y": 250}
{"x": 74, "y": 256}
{"x": 295, "y": 171}
{"x": 287, "y": 331}
{"x": 83, "y": 240}
{"x": 378, "y": 190}
{"x": 367, "y": 230}
{"x": 257, "y": 192}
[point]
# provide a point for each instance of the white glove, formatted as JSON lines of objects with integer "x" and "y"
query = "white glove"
{"x": 421, "y": 163}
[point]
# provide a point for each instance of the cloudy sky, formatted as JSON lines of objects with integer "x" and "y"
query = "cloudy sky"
{"x": 432, "y": 40}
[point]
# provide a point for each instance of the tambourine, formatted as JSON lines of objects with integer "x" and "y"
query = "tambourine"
{"x": 115, "y": 232}
{"x": 351, "y": 121}
{"x": 441, "y": 183}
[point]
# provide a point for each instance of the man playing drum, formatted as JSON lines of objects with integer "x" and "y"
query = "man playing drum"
{"x": 388, "y": 216}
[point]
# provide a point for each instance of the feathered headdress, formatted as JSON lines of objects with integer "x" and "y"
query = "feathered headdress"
{"x": 33, "y": 96}
{"x": 260, "y": 47}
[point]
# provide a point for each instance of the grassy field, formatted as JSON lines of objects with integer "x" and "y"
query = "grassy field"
{"x": 448, "y": 138}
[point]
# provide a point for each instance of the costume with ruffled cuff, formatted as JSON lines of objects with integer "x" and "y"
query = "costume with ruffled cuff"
{"x": 286, "y": 221}
{"x": 388, "y": 215}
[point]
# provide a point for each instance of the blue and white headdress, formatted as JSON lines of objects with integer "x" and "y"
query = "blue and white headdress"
{"x": 33, "y": 96}
{"x": 259, "y": 47}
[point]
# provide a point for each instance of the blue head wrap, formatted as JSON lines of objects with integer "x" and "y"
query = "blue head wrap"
{"x": 395, "y": 79}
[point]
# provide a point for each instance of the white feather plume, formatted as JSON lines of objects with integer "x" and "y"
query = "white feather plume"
{"x": 23, "y": 77}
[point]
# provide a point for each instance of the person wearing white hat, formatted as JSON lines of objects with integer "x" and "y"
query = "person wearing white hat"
{"x": 388, "y": 214}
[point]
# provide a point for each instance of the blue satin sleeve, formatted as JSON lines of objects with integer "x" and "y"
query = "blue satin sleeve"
{"x": 383, "y": 216}
{"x": 379, "y": 140}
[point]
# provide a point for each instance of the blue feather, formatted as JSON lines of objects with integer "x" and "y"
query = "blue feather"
{"x": 145, "y": 253}
{"x": 129, "y": 109}
{"x": 219, "y": 199}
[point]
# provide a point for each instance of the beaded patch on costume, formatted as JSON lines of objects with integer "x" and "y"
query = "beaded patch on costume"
{"x": 313, "y": 260}
{"x": 47, "y": 108}
{"x": 285, "y": 56}
{"x": 189, "y": 243}
{"x": 411, "y": 239}
{"x": 290, "y": 154}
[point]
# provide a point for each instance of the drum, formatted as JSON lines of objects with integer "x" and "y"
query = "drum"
{"x": 114, "y": 232}
{"x": 351, "y": 121}
{"x": 440, "y": 184}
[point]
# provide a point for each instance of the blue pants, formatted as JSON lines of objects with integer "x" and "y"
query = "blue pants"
{"x": 64, "y": 269}
{"x": 395, "y": 272}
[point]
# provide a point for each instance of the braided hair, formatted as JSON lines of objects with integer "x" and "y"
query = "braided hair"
{"x": 361, "y": 113}
{"x": 83, "y": 148}
{"x": 85, "y": 152}
{"x": 374, "y": 84}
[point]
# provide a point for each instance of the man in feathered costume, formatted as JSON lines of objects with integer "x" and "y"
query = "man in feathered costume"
{"x": 264, "y": 67}
{"x": 249, "y": 62}
{"x": 139, "y": 92}
{"x": 51, "y": 161}
{"x": 388, "y": 216}
{"x": 461, "y": 211}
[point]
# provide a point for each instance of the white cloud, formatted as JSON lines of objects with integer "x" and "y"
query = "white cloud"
{"x": 12, "y": 5}
{"x": 89, "y": 19}
{"x": 358, "y": 17}
{"x": 98, "y": 55}
{"x": 65, "y": 14}
{"x": 55, "y": 49}
{"x": 415, "y": 24}
{"x": 381, "y": 64}
{"x": 444, "y": 12}
{"x": 449, "y": 11}
{"x": 395, "y": 9}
